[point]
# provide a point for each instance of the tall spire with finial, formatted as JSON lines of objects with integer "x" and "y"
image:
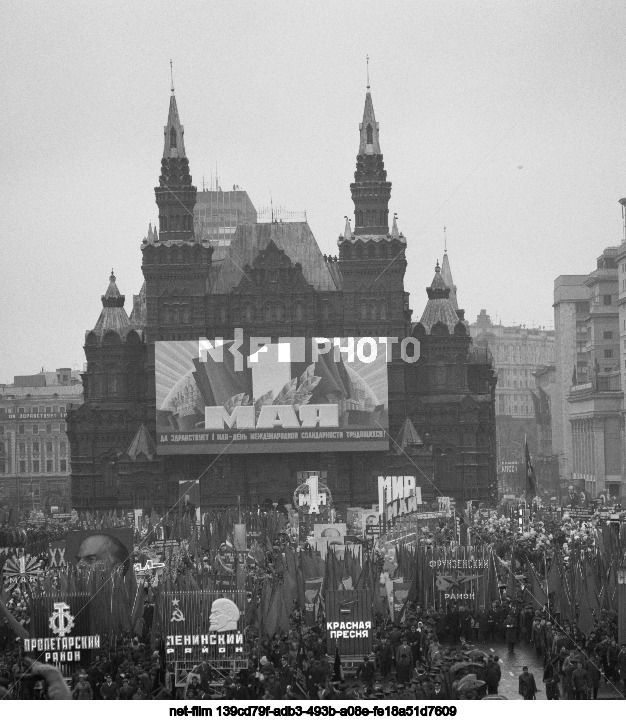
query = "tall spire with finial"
{"x": 176, "y": 195}
{"x": 367, "y": 61}
{"x": 446, "y": 273}
{"x": 371, "y": 190}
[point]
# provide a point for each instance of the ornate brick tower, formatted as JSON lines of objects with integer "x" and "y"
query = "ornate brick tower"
{"x": 176, "y": 265}
{"x": 113, "y": 412}
{"x": 175, "y": 195}
{"x": 372, "y": 258}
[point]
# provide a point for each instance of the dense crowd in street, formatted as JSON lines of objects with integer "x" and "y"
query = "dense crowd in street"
{"x": 432, "y": 653}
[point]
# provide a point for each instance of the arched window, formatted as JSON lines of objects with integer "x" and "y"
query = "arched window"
{"x": 279, "y": 312}
{"x": 363, "y": 311}
{"x": 298, "y": 311}
{"x": 268, "y": 314}
{"x": 172, "y": 138}
{"x": 373, "y": 313}
{"x": 370, "y": 134}
{"x": 247, "y": 313}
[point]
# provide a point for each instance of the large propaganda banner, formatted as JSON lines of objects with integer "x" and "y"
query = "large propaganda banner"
{"x": 349, "y": 622}
{"x": 200, "y": 625}
{"x": 264, "y": 396}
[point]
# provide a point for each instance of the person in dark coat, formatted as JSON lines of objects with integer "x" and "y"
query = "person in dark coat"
{"x": 483, "y": 627}
{"x": 385, "y": 657}
{"x": 108, "y": 690}
{"x": 510, "y": 632}
{"x": 404, "y": 669}
{"x": 366, "y": 672}
{"x": 551, "y": 680}
{"x": 493, "y": 675}
{"x": 579, "y": 679}
{"x": 594, "y": 673}
{"x": 527, "y": 685}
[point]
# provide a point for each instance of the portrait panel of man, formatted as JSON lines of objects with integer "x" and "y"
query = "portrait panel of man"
{"x": 224, "y": 615}
{"x": 109, "y": 547}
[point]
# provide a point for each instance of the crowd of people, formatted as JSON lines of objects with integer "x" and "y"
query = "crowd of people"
{"x": 433, "y": 653}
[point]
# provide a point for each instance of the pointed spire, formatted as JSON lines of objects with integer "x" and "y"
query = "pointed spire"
{"x": 371, "y": 190}
{"x": 142, "y": 445}
{"x": 175, "y": 195}
{"x": 369, "y": 143}
{"x": 394, "y": 227}
{"x": 446, "y": 273}
{"x": 367, "y": 61}
{"x": 409, "y": 440}
{"x": 150, "y": 238}
{"x": 174, "y": 146}
{"x": 347, "y": 233}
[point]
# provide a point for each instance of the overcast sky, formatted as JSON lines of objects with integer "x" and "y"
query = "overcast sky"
{"x": 503, "y": 121}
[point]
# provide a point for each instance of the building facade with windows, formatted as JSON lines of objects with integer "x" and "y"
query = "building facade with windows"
{"x": 273, "y": 281}
{"x": 588, "y": 395}
{"x": 595, "y": 399}
{"x": 518, "y": 352}
{"x": 34, "y": 449}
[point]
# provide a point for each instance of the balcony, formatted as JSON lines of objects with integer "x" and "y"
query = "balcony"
{"x": 601, "y": 383}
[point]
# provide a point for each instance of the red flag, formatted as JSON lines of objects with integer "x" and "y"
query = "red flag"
{"x": 531, "y": 478}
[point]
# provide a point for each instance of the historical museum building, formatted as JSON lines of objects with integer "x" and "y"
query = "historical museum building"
{"x": 271, "y": 279}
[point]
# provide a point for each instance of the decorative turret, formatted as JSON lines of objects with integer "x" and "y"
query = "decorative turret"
{"x": 439, "y": 308}
{"x": 394, "y": 228}
{"x": 175, "y": 196}
{"x": 347, "y": 233}
{"x": 113, "y": 317}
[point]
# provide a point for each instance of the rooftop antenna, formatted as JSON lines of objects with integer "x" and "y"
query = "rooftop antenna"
{"x": 172, "y": 75}
{"x": 445, "y": 240}
{"x": 367, "y": 62}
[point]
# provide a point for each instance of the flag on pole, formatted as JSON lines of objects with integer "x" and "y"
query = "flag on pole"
{"x": 531, "y": 478}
